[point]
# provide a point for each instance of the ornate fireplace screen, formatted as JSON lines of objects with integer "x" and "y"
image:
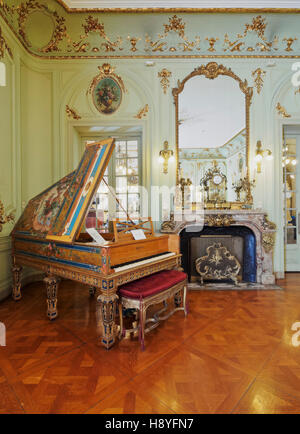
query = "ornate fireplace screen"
{"x": 219, "y": 264}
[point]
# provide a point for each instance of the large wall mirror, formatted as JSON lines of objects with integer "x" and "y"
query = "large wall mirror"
{"x": 212, "y": 122}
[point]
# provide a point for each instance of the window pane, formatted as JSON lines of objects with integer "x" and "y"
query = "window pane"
{"x": 121, "y": 184}
{"x": 133, "y": 184}
{"x": 121, "y": 167}
{"x": 103, "y": 202}
{"x": 132, "y": 165}
{"x": 290, "y": 200}
{"x": 132, "y": 149}
{"x": 291, "y": 215}
{"x": 123, "y": 199}
{"x": 103, "y": 187}
{"x": 120, "y": 149}
{"x": 133, "y": 203}
{"x": 291, "y": 236}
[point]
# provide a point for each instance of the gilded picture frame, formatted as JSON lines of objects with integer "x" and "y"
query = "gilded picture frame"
{"x": 107, "y": 90}
{"x": 213, "y": 70}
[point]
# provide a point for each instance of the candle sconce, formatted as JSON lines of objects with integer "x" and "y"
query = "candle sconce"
{"x": 166, "y": 155}
{"x": 5, "y": 218}
{"x": 260, "y": 153}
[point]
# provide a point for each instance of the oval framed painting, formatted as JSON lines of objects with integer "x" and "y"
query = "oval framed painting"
{"x": 107, "y": 95}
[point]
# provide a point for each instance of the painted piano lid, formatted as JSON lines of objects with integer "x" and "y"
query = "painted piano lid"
{"x": 58, "y": 212}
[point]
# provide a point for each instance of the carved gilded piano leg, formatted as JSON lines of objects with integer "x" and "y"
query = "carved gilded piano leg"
{"x": 108, "y": 300}
{"x": 52, "y": 283}
{"x": 16, "y": 290}
{"x": 92, "y": 291}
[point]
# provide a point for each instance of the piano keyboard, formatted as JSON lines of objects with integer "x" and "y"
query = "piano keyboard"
{"x": 145, "y": 262}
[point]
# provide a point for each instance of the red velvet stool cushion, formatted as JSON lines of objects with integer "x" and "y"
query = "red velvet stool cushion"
{"x": 151, "y": 285}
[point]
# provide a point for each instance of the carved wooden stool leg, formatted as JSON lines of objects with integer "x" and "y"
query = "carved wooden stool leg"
{"x": 16, "y": 290}
{"x": 52, "y": 283}
{"x": 142, "y": 326}
{"x": 178, "y": 299}
{"x": 92, "y": 291}
{"x": 185, "y": 304}
{"x": 108, "y": 305}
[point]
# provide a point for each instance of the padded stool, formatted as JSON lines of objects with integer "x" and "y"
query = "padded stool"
{"x": 143, "y": 293}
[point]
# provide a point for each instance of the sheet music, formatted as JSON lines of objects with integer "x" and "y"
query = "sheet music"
{"x": 138, "y": 234}
{"x": 96, "y": 236}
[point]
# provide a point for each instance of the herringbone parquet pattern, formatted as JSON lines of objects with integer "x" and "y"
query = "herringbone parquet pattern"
{"x": 232, "y": 354}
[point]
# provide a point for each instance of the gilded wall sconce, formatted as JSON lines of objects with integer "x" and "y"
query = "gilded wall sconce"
{"x": 166, "y": 155}
{"x": 5, "y": 218}
{"x": 260, "y": 154}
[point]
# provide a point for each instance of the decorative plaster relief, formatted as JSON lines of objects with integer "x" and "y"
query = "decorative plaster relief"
{"x": 4, "y": 46}
{"x": 177, "y": 37}
{"x": 164, "y": 76}
{"x": 143, "y": 112}
{"x": 282, "y": 111}
{"x": 72, "y": 113}
{"x": 258, "y": 76}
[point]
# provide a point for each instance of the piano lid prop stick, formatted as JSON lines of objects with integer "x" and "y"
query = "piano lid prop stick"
{"x": 117, "y": 200}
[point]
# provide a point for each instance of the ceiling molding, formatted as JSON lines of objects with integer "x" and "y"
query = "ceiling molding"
{"x": 198, "y": 6}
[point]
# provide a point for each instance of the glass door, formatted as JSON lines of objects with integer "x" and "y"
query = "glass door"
{"x": 291, "y": 189}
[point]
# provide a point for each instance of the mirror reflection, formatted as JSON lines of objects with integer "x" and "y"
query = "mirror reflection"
{"x": 212, "y": 136}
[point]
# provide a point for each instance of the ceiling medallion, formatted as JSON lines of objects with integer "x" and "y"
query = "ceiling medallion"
{"x": 258, "y": 76}
{"x": 164, "y": 75}
{"x": 282, "y": 111}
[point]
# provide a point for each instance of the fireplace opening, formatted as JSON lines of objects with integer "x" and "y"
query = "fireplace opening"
{"x": 238, "y": 242}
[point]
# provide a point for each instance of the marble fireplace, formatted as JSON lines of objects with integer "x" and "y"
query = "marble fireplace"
{"x": 247, "y": 234}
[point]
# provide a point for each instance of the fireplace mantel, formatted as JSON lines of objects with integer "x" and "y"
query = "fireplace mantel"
{"x": 256, "y": 220}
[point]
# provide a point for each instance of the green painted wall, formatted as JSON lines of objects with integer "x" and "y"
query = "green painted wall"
{"x": 39, "y": 143}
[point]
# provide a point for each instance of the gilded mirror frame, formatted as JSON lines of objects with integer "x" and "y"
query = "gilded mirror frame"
{"x": 213, "y": 70}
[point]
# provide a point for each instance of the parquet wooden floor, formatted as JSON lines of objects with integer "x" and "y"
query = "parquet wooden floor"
{"x": 232, "y": 354}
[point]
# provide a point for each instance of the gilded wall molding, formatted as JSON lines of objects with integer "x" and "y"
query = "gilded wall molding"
{"x": 26, "y": 9}
{"x": 71, "y": 113}
{"x": 4, "y": 46}
{"x": 172, "y": 40}
{"x": 258, "y": 76}
{"x": 143, "y": 112}
{"x": 282, "y": 111}
{"x": 164, "y": 76}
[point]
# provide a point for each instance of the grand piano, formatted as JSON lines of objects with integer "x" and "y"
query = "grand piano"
{"x": 50, "y": 236}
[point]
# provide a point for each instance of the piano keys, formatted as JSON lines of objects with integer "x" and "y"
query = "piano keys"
{"x": 49, "y": 237}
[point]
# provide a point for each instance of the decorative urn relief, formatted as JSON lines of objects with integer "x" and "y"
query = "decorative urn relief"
{"x": 263, "y": 230}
